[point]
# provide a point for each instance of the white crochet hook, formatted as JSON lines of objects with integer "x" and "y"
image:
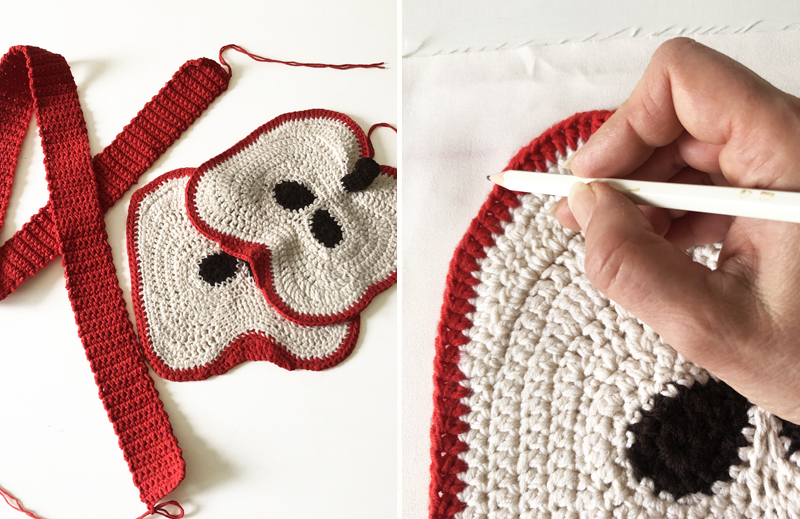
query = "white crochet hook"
{"x": 782, "y": 206}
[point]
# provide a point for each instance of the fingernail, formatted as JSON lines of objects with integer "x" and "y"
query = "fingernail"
{"x": 567, "y": 162}
{"x": 581, "y": 202}
{"x": 551, "y": 210}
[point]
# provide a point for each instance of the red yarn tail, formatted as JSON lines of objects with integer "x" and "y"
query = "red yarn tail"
{"x": 14, "y": 503}
{"x": 369, "y": 135}
{"x": 262, "y": 59}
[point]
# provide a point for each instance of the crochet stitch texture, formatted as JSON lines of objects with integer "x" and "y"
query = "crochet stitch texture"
{"x": 117, "y": 167}
{"x": 71, "y": 224}
{"x": 301, "y": 200}
{"x": 194, "y": 324}
{"x": 552, "y": 401}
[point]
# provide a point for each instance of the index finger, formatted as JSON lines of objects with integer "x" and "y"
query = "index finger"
{"x": 718, "y": 101}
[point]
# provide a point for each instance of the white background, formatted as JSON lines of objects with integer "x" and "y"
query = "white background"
{"x": 481, "y": 80}
{"x": 258, "y": 441}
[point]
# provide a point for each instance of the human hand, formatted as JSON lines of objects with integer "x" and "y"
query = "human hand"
{"x": 697, "y": 116}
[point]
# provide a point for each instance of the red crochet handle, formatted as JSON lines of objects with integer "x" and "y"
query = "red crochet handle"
{"x": 179, "y": 103}
{"x": 81, "y": 190}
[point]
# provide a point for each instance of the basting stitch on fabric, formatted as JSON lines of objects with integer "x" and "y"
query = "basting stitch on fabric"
{"x": 552, "y": 401}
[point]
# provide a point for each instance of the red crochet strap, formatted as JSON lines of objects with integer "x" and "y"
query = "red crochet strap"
{"x": 33, "y": 77}
{"x": 448, "y": 392}
{"x": 162, "y": 120}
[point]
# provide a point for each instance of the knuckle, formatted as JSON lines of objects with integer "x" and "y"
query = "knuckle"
{"x": 671, "y": 50}
{"x": 608, "y": 265}
{"x": 651, "y": 108}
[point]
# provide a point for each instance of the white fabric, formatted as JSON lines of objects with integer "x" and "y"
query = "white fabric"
{"x": 444, "y": 27}
{"x": 464, "y": 117}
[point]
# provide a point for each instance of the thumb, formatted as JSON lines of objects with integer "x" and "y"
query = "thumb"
{"x": 637, "y": 268}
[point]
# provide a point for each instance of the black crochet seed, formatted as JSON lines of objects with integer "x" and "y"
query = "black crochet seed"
{"x": 218, "y": 268}
{"x": 362, "y": 176}
{"x": 326, "y": 229}
{"x": 791, "y": 431}
{"x": 293, "y": 195}
{"x": 686, "y": 443}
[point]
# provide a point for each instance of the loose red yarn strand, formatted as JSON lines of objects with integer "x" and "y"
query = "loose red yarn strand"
{"x": 262, "y": 59}
{"x": 14, "y": 503}
{"x": 369, "y": 135}
{"x": 161, "y": 509}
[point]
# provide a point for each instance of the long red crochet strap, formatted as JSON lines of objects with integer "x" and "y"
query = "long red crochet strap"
{"x": 179, "y": 103}
{"x": 34, "y": 80}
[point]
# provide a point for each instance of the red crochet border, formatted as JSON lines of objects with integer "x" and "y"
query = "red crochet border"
{"x": 252, "y": 345}
{"x": 446, "y": 466}
{"x": 258, "y": 255}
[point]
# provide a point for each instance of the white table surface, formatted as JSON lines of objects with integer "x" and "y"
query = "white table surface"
{"x": 468, "y": 108}
{"x": 259, "y": 441}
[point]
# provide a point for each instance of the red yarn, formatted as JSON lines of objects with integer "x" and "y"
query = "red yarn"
{"x": 162, "y": 120}
{"x": 34, "y": 80}
{"x": 161, "y": 509}
{"x": 369, "y": 136}
{"x": 14, "y": 503}
{"x": 446, "y": 465}
{"x": 291, "y": 63}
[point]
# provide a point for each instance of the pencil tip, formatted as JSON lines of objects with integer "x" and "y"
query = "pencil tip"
{"x": 497, "y": 178}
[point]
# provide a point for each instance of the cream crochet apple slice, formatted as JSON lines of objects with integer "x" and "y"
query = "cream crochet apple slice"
{"x": 198, "y": 310}
{"x": 302, "y": 201}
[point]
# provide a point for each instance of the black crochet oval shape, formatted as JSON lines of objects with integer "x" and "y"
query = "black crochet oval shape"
{"x": 326, "y": 229}
{"x": 218, "y": 268}
{"x": 686, "y": 443}
{"x": 364, "y": 173}
{"x": 293, "y": 195}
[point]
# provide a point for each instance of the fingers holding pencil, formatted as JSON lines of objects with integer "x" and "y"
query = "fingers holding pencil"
{"x": 683, "y": 228}
{"x": 702, "y": 116}
{"x": 696, "y": 115}
{"x": 658, "y": 217}
{"x": 683, "y": 104}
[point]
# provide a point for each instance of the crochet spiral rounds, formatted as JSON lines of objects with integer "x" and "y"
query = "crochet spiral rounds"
{"x": 552, "y": 401}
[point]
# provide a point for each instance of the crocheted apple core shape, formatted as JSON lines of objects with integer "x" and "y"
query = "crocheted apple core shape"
{"x": 552, "y": 401}
{"x": 301, "y": 200}
{"x": 198, "y": 309}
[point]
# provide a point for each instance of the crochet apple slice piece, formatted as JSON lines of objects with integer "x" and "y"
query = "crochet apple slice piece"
{"x": 198, "y": 309}
{"x": 303, "y": 203}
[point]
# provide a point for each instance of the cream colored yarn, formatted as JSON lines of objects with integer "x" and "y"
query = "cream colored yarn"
{"x": 558, "y": 373}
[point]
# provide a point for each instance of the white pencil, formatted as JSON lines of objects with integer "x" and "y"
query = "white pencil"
{"x": 753, "y": 203}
